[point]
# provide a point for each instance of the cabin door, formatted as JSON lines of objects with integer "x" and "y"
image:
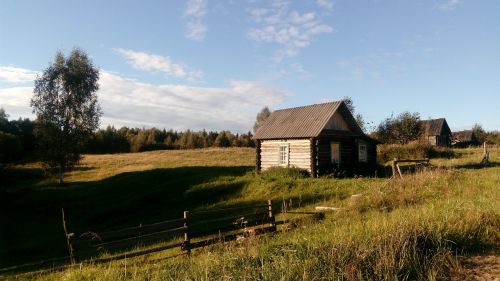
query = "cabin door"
{"x": 335, "y": 152}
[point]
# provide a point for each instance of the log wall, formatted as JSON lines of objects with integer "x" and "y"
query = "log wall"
{"x": 299, "y": 154}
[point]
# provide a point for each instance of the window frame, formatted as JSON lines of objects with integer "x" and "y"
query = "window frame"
{"x": 286, "y": 155}
{"x": 365, "y": 160}
{"x": 339, "y": 155}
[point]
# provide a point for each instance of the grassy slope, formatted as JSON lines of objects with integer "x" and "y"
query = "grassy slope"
{"x": 112, "y": 191}
{"x": 409, "y": 228}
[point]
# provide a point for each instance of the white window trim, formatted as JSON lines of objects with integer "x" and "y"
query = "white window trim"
{"x": 365, "y": 153}
{"x": 287, "y": 155}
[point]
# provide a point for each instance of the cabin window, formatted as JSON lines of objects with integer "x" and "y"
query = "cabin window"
{"x": 283, "y": 155}
{"x": 362, "y": 153}
{"x": 335, "y": 152}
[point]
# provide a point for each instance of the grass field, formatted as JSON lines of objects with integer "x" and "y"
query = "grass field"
{"x": 415, "y": 228}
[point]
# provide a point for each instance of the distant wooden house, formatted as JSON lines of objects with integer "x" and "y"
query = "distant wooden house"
{"x": 464, "y": 138}
{"x": 436, "y": 131}
{"x": 316, "y": 138}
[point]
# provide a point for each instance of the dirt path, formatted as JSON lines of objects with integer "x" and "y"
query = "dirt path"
{"x": 485, "y": 267}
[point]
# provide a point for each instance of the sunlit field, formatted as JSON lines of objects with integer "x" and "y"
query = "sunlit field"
{"x": 416, "y": 228}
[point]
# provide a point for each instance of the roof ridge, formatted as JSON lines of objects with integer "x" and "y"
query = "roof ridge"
{"x": 433, "y": 119}
{"x": 310, "y": 105}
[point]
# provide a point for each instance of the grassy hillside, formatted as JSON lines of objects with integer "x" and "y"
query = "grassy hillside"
{"x": 112, "y": 191}
{"x": 412, "y": 228}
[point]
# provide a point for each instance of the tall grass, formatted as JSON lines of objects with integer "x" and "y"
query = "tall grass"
{"x": 413, "y": 228}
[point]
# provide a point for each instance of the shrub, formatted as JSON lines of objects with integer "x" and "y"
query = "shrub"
{"x": 274, "y": 173}
{"x": 10, "y": 147}
{"x": 414, "y": 150}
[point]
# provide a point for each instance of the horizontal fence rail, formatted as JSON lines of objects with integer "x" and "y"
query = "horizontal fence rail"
{"x": 193, "y": 230}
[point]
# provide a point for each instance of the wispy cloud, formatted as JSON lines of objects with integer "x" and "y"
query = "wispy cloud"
{"x": 299, "y": 70}
{"x": 196, "y": 28}
{"x": 12, "y": 74}
{"x": 326, "y": 4}
{"x": 377, "y": 66}
{"x": 448, "y": 5}
{"x": 131, "y": 103}
{"x": 157, "y": 63}
{"x": 292, "y": 30}
{"x": 233, "y": 107}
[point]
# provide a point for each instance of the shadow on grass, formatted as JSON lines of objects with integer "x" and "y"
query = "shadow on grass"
{"x": 477, "y": 166}
{"x": 31, "y": 218}
{"x": 22, "y": 178}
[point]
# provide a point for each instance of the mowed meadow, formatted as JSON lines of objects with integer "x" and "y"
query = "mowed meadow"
{"x": 416, "y": 228}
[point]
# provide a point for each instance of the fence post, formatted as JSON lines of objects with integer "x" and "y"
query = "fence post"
{"x": 270, "y": 215}
{"x": 68, "y": 237}
{"x": 394, "y": 169}
{"x": 186, "y": 245}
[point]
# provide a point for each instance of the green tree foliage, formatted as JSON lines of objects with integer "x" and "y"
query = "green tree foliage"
{"x": 4, "y": 118}
{"x": 66, "y": 106}
{"x": 493, "y": 137}
{"x": 109, "y": 140}
{"x": 16, "y": 137}
{"x": 407, "y": 127}
{"x": 402, "y": 129}
{"x": 224, "y": 139}
{"x": 190, "y": 140}
{"x": 479, "y": 133}
{"x": 261, "y": 118}
{"x": 10, "y": 147}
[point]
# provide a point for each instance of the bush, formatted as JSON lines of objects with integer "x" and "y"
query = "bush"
{"x": 414, "y": 150}
{"x": 274, "y": 173}
{"x": 10, "y": 147}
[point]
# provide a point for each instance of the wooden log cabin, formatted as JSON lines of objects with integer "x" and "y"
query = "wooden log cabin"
{"x": 318, "y": 138}
{"x": 436, "y": 131}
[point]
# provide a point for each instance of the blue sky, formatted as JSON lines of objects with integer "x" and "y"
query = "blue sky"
{"x": 214, "y": 64}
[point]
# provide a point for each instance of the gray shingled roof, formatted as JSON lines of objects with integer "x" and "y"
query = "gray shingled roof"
{"x": 463, "y": 136}
{"x": 303, "y": 122}
{"x": 434, "y": 127}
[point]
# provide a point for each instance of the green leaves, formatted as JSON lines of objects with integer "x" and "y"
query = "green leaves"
{"x": 66, "y": 106}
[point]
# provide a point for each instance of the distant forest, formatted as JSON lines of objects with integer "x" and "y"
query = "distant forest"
{"x": 17, "y": 139}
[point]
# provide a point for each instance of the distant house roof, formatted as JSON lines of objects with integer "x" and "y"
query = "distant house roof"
{"x": 435, "y": 127}
{"x": 463, "y": 136}
{"x": 305, "y": 121}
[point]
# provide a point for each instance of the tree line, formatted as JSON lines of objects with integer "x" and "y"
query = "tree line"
{"x": 112, "y": 140}
{"x": 18, "y": 139}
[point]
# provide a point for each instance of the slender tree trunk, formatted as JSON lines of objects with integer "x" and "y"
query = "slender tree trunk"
{"x": 61, "y": 173}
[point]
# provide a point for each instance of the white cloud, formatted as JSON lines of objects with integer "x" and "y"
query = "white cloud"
{"x": 448, "y": 5}
{"x": 16, "y": 101}
{"x": 327, "y": 4}
{"x": 156, "y": 63}
{"x": 130, "y": 103}
{"x": 298, "y": 68}
{"x": 288, "y": 28}
{"x": 196, "y": 28}
{"x": 12, "y": 74}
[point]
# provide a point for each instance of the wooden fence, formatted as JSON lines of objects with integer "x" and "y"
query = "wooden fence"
{"x": 192, "y": 230}
{"x": 396, "y": 169}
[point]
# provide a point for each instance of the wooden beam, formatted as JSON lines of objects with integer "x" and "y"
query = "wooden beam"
{"x": 257, "y": 156}
{"x": 313, "y": 157}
